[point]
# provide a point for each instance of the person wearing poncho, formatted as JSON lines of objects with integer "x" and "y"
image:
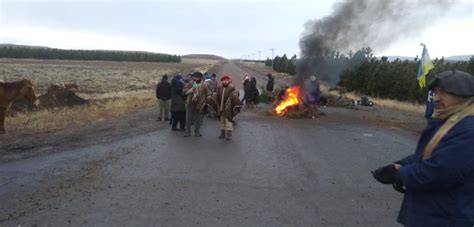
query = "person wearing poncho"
{"x": 226, "y": 100}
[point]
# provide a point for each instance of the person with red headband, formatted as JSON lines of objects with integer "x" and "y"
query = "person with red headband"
{"x": 227, "y": 103}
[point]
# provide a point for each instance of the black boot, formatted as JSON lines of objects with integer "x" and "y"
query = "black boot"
{"x": 222, "y": 136}
{"x": 228, "y": 135}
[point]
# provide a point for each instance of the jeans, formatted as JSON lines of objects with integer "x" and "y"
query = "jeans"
{"x": 193, "y": 117}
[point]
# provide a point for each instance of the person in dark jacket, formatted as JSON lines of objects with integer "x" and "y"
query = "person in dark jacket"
{"x": 312, "y": 91}
{"x": 438, "y": 180}
{"x": 250, "y": 93}
{"x": 178, "y": 107}
{"x": 244, "y": 85}
{"x": 213, "y": 83}
{"x": 163, "y": 94}
{"x": 270, "y": 84}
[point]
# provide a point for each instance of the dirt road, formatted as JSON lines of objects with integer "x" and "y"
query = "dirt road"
{"x": 275, "y": 172}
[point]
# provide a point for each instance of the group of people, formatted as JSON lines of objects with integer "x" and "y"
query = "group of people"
{"x": 189, "y": 100}
{"x": 251, "y": 92}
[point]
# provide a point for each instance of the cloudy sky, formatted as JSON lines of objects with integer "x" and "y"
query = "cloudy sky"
{"x": 233, "y": 29}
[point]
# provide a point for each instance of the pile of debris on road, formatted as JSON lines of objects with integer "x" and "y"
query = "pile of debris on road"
{"x": 344, "y": 101}
{"x": 289, "y": 102}
{"x": 337, "y": 100}
{"x": 297, "y": 112}
{"x": 292, "y": 105}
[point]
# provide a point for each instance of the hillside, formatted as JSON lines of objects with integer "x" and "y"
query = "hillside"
{"x": 203, "y": 56}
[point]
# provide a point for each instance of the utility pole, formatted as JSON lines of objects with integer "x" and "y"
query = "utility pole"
{"x": 272, "y": 49}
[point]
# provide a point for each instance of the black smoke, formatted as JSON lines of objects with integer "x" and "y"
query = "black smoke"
{"x": 327, "y": 44}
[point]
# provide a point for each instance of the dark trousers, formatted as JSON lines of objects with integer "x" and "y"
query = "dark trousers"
{"x": 178, "y": 117}
{"x": 193, "y": 117}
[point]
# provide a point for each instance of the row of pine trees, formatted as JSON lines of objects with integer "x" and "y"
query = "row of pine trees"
{"x": 12, "y": 51}
{"x": 283, "y": 64}
{"x": 396, "y": 79}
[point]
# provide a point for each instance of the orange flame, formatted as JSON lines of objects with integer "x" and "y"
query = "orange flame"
{"x": 291, "y": 99}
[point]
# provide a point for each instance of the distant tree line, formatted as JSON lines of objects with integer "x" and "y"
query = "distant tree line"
{"x": 283, "y": 64}
{"x": 94, "y": 55}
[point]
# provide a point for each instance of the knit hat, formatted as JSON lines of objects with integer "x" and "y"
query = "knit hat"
{"x": 225, "y": 77}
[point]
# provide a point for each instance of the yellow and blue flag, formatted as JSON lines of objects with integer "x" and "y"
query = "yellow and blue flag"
{"x": 425, "y": 66}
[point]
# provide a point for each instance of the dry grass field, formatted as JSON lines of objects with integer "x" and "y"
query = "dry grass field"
{"x": 97, "y": 77}
{"x": 126, "y": 87}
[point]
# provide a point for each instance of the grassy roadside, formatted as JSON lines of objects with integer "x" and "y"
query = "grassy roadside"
{"x": 385, "y": 103}
{"x": 69, "y": 118}
{"x": 398, "y": 105}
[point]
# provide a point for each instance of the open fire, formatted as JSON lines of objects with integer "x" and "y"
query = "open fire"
{"x": 291, "y": 99}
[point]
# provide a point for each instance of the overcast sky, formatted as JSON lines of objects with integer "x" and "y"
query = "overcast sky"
{"x": 232, "y": 29}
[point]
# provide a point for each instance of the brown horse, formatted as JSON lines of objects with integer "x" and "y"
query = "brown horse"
{"x": 8, "y": 91}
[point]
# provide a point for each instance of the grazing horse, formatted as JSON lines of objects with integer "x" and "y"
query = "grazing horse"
{"x": 8, "y": 91}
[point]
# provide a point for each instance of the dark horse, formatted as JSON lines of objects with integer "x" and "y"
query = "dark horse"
{"x": 8, "y": 91}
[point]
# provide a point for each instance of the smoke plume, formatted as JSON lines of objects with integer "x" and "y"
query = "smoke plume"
{"x": 356, "y": 24}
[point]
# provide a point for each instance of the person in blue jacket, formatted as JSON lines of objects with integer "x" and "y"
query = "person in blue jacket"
{"x": 438, "y": 180}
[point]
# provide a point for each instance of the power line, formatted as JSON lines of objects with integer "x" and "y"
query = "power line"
{"x": 272, "y": 49}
